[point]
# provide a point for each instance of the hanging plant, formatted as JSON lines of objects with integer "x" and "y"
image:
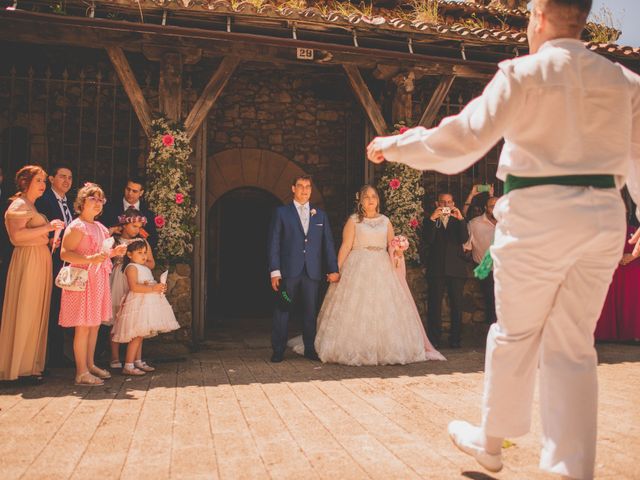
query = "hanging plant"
{"x": 402, "y": 189}
{"x": 169, "y": 192}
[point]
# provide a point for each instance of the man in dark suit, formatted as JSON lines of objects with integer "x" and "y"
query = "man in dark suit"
{"x": 445, "y": 233}
{"x": 299, "y": 239}
{"x": 133, "y": 192}
{"x": 55, "y": 204}
{"x": 6, "y": 249}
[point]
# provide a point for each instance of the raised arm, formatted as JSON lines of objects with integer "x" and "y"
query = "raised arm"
{"x": 348, "y": 236}
{"x": 633, "y": 179}
{"x": 461, "y": 140}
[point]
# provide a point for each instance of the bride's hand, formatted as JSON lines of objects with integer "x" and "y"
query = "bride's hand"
{"x": 333, "y": 277}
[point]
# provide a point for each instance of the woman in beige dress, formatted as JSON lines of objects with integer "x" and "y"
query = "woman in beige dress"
{"x": 25, "y": 314}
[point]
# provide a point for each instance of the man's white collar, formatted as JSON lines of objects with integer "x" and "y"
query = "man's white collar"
{"x": 562, "y": 42}
{"x": 58, "y": 196}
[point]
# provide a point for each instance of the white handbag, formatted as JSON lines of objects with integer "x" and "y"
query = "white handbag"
{"x": 73, "y": 279}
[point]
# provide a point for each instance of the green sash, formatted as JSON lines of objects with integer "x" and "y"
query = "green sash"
{"x": 513, "y": 182}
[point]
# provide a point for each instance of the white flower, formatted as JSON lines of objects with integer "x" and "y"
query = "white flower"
{"x": 313, "y": 212}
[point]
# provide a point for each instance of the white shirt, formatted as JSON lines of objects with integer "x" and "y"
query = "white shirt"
{"x": 126, "y": 205}
{"x": 562, "y": 111}
{"x": 481, "y": 232}
{"x": 61, "y": 199}
{"x": 304, "y": 214}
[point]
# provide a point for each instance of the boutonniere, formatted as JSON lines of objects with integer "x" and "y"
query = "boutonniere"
{"x": 313, "y": 212}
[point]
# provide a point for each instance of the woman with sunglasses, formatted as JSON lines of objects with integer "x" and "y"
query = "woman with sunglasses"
{"x": 82, "y": 247}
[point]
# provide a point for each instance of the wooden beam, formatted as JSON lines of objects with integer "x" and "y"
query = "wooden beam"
{"x": 170, "y": 86}
{"x": 210, "y": 94}
{"x": 365, "y": 98}
{"x": 439, "y": 95}
{"x": 130, "y": 84}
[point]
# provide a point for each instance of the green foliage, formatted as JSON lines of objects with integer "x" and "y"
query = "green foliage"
{"x": 424, "y": 10}
{"x": 169, "y": 190}
{"x": 603, "y": 26}
{"x": 404, "y": 201}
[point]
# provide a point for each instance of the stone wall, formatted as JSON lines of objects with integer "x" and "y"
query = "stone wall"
{"x": 309, "y": 117}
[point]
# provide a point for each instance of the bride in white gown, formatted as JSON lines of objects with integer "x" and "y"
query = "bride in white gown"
{"x": 369, "y": 317}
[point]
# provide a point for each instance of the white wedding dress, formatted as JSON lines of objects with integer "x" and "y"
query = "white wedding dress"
{"x": 370, "y": 317}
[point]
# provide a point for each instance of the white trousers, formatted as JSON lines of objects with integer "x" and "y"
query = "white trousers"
{"x": 554, "y": 253}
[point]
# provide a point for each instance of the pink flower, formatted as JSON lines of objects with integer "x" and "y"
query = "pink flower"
{"x": 413, "y": 223}
{"x": 179, "y": 198}
{"x": 159, "y": 221}
{"x": 400, "y": 242}
{"x": 403, "y": 129}
{"x": 167, "y": 140}
{"x": 394, "y": 184}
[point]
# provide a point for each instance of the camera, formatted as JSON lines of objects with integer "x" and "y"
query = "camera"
{"x": 446, "y": 210}
{"x": 484, "y": 188}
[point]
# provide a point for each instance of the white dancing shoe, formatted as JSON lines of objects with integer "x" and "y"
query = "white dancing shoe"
{"x": 462, "y": 435}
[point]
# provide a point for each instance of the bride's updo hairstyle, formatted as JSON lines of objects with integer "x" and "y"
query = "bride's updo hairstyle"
{"x": 360, "y": 195}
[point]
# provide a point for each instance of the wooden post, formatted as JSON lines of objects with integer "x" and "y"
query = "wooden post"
{"x": 365, "y": 98}
{"x": 210, "y": 94}
{"x": 131, "y": 87}
{"x": 439, "y": 95}
{"x": 402, "y": 106}
{"x": 170, "y": 87}
{"x": 199, "y": 281}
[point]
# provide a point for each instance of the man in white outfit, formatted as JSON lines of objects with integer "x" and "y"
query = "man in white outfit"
{"x": 571, "y": 124}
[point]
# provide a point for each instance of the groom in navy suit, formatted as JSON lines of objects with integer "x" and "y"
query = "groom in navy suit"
{"x": 56, "y": 204}
{"x": 299, "y": 240}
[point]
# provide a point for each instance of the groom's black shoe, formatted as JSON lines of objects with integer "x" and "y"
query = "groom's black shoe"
{"x": 312, "y": 356}
{"x": 277, "y": 357}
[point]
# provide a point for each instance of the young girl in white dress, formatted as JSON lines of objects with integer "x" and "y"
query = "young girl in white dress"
{"x": 145, "y": 311}
{"x": 130, "y": 224}
{"x": 369, "y": 316}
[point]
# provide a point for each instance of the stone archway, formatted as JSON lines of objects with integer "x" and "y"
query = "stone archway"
{"x": 239, "y": 184}
{"x": 253, "y": 167}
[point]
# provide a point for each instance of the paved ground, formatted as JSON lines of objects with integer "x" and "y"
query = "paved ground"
{"x": 228, "y": 413}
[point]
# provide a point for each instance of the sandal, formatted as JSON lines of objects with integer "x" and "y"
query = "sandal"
{"x": 100, "y": 373}
{"x": 86, "y": 379}
{"x": 144, "y": 366}
{"x": 136, "y": 372}
{"x": 115, "y": 364}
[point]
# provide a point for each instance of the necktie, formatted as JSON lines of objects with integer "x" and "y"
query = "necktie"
{"x": 67, "y": 213}
{"x": 304, "y": 218}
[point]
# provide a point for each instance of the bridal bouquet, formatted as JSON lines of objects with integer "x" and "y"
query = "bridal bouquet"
{"x": 400, "y": 244}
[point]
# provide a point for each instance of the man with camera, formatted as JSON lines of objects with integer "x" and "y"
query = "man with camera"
{"x": 445, "y": 234}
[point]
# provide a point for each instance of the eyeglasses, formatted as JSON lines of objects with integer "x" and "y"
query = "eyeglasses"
{"x": 97, "y": 200}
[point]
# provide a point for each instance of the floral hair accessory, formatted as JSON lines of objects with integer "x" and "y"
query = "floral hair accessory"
{"x": 125, "y": 219}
